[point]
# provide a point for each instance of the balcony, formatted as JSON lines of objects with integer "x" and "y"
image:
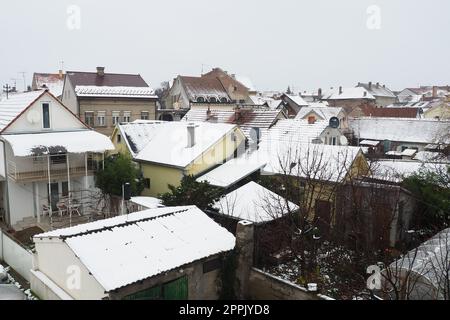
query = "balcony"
{"x": 44, "y": 168}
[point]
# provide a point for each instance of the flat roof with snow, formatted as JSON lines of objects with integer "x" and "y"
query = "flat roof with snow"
{"x": 66, "y": 142}
{"x": 126, "y": 249}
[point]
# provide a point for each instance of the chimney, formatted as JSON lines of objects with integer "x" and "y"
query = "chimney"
{"x": 191, "y": 135}
{"x": 370, "y": 85}
{"x": 100, "y": 71}
{"x": 434, "y": 92}
{"x": 61, "y": 74}
{"x": 378, "y": 84}
{"x": 365, "y": 93}
{"x": 319, "y": 93}
{"x": 340, "y": 90}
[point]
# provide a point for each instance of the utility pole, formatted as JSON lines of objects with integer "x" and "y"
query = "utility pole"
{"x": 6, "y": 89}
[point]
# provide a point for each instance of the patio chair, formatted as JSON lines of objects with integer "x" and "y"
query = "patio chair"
{"x": 62, "y": 208}
{"x": 45, "y": 210}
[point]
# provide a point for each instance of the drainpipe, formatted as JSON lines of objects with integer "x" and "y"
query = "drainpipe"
{"x": 6, "y": 202}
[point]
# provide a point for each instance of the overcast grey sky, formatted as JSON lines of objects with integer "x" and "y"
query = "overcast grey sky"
{"x": 306, "y": 44}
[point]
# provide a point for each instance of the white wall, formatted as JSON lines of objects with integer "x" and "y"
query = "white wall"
{"x": 20, "y": 259}
{"x": 69, "y": 98}
{"x": 60, "y": 118}
{"x": 60, "y": 272}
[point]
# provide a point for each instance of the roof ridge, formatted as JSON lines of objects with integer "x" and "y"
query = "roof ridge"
{"x": 124, "y": 224}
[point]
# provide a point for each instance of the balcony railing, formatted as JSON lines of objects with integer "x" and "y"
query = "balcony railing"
{"x": 44, "y": 168}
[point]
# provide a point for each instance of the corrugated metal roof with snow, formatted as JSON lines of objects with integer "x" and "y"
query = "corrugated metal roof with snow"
{"x": 126, "y": 249}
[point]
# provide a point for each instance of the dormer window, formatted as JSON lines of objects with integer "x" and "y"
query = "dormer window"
{"x": 223, "y": 100}
{"x": 213, "y": 100}
{"x": 46, "y": 115}
{"x": 200, "y": 99}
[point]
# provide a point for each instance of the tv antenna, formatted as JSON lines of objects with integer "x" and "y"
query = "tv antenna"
{"x": 6, "y": 89}
{"x": 23, "y": 73}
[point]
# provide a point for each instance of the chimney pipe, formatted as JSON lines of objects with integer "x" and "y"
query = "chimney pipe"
{"x": 191, "y": 135}
{"x": 100, "y": 71}
{"x": 370, "y": 85}
{"x": 378, "y": 84}
{"x": 319, "y": 93}
{"x": 340, "y": 90}
{"x": 61, "y": 74}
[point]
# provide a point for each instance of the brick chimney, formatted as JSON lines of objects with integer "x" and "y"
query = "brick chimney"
{"x": 100, "y": 71}
{"x": 191, "y": 135}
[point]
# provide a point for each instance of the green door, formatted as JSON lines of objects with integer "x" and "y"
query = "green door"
{"x": 176, "y": 290}
{"x": 154, "y": 293}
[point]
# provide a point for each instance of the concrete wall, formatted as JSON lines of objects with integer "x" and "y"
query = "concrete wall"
{"x": 201, "y": 286}
{"x": 16, "y": 256}
{"x": 263, "y": 286}
{"x": 59, "y": 270}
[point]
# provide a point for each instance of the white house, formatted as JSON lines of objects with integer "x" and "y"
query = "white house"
{"x": 47, "y": 159}
{"x": 164, "y": 253}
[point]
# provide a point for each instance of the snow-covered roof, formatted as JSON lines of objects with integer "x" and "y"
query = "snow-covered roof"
{"x": 377, "y": 90}
{"x": 147, "y": 202}
{"x": 254, "y": 203}
{"x": 298, "y": 100}
{"x": 350, "y": 93}
{"x": 431, "y": 261}
{"x": 54, "y": 82}
{"x": 233, "y": 171}
{"x": 15, "y": 104}
{"x": 246, "y": 118}
{"x": 308, "y": 160}
{"x": 397, "y": 170}
{"x": 429, "y": 156}
{"x": 115, "y": 92}
{"x": 326, "y": 113}
{"x": 55, "y": 142}
{"x": 138, "y": 134}
{"x": 169, "y": 142}
{"x": 372, "y": 143}
{"x": 409, "y": 152}
{"x": 295, "y": 130}
{"x": 402, "y": 130}
{"x": 126, "y": 249}
{"x": 245, "y": 81}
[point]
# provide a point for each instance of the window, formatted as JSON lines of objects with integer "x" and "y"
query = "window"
{"x": 115, "y": 117}
{"x": 145, "y": 115}
{"x": 213, "y": 100}
{"x": 58, "y": 159}
{"x": 200, "y": 99}
{"x": 89, "y": 118}
{"x": 127, "y": 116}
{"x": 223, "y": 100}
{"x": 119, "y": 138}
{"x": 46, "y": 115}
{"x": 65, "y": 189}
{"x": 101, "y": 118}
{"x": 147, "y": 184}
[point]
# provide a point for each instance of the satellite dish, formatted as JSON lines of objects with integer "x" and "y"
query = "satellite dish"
{"x": 334, "y": 122}
{"x": 343, "y": 140}
{"x": 33, "y": 116}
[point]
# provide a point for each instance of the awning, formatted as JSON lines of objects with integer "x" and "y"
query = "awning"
{"x": 24, "y": 145}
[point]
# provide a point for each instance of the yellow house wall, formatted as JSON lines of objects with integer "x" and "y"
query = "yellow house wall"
{"x": 222, "y": 150}
{"x": 160, "y": 177}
